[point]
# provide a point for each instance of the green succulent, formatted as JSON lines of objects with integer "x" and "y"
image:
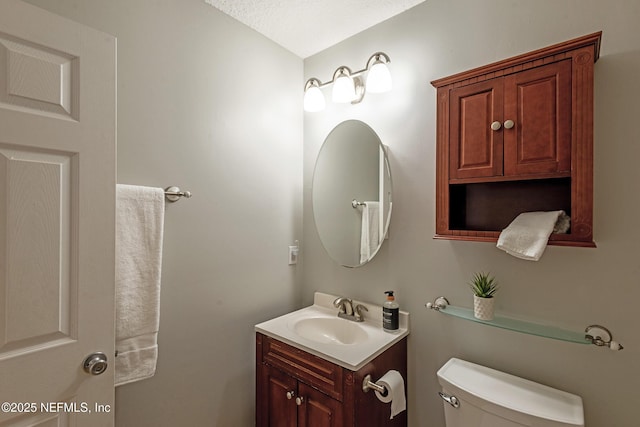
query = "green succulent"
{"x": 483, "y": 285}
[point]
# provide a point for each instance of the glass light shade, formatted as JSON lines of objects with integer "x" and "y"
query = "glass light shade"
{"x": 343, "y": 89}
{"x": 313, "y": 99}
{"x": 379, "y": 78}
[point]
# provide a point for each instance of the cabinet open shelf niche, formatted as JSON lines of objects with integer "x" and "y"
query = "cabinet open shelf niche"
{"x": 517, "y": 136}
{"x": 488, "y": 206}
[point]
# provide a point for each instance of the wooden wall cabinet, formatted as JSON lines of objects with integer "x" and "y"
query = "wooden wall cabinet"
{"x": 296, "y": 388}
{"x": 517, "y": 136}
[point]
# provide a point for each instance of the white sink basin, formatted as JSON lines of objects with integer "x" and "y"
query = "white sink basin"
{"x": 330, "y": 330}
{"x": 318, "y": 330}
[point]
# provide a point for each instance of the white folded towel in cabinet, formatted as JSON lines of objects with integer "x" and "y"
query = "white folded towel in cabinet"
{"x": 139, "y": 233}
{"x": 527, "y": 235}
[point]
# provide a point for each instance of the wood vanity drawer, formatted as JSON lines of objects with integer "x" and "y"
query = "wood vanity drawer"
{"x": 310, "y": 369}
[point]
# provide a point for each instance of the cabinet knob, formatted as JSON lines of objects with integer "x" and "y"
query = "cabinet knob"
{"x": 496, "y": 125}
{"x": 508, "y": 124}
{"x": 291, "y": 394}
{"x": 299, "y": 400}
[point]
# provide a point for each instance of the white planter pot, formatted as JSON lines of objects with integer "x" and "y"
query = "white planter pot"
{"x": 483, "y": 307}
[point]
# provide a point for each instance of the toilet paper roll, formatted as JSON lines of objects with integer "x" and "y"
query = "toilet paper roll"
{"x": 394, "y": 383}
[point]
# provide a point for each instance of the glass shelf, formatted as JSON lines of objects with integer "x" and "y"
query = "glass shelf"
{"x": 518, "y": 325}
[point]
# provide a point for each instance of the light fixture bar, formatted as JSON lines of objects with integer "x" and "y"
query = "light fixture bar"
{"x": 313, "y": 84}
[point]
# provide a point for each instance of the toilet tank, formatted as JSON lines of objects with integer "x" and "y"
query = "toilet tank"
{"x": 490, "y": 398}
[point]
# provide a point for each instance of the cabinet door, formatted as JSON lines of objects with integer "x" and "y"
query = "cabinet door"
{"x": 538, "y": 101}
{"x": 318, "y": 409}
{"x": 281, "y": 411}
{"x": 475, "y": 148}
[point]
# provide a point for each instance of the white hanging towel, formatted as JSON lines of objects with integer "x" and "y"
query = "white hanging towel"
{"x": 139, "y": 230}
{"x": 370, "y": 234}
{"x": 527, "y": 235}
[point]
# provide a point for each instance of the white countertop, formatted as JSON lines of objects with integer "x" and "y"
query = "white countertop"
{"x": 350, "y": 356}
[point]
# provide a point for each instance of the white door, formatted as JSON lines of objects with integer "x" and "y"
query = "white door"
{"x": 57, "y": 202}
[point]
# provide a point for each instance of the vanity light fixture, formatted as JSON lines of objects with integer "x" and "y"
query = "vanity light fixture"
{"x": 344, "y": 89}
{"x": 313, "y": 97}
{"x": 348, "y": 86}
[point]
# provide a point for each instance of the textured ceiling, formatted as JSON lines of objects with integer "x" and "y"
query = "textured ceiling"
{"x": 306, "y": 27}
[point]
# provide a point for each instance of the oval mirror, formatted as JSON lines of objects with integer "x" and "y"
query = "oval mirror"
{"x": 351, "y": 193}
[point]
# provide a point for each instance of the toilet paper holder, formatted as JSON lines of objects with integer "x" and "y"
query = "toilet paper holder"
{"x": 367, "y": 385}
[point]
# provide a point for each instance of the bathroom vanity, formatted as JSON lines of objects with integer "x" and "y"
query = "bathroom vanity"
{"x": 297, "y": 388}
{"x": 311, "y": 367}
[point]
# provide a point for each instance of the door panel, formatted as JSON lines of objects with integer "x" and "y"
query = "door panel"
{"x": 282, "y": 411}
{"x": 476, "y": 149}
{"x": 38, "y": 78}
{"x": 539, "y": 102}
{"x": 35, "y": 224}
{"x": 318, "y": 409}
{"x": 57, "y": 204}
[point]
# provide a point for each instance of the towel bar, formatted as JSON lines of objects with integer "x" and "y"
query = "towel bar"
{"x": 173, "y": 194}
{"x": 355, "y": 203}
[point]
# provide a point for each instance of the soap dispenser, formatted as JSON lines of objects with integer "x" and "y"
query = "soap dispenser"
{"x": 390, "y": 314}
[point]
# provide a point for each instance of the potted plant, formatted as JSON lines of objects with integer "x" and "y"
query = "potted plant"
{"x": 484, "y": 287}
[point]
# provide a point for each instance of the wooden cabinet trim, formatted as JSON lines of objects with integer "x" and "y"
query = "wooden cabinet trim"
{"x": 582, "y": 144}
{"x": 320, "y": 373}
{"x": 521, "y": 62}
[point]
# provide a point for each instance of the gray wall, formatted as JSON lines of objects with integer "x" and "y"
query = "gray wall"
{"x": 213, "y": 107}
{"x": 571, "y": 287}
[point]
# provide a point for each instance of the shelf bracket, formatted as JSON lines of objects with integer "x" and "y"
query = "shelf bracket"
{"x": 440, "y": 303}
{"x": 607, "y": 341}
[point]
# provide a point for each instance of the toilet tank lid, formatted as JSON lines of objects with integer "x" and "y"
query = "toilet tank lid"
{"x": 511, "y": 392}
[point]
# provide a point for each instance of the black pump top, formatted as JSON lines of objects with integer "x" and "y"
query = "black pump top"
{"x": 389, "y": 295}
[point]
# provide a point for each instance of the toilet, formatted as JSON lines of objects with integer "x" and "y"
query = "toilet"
{"x": 477, "y": 396}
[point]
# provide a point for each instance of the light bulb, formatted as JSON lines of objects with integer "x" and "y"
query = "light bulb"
{"x": 313, "y": 99}
{"x": 343, "y": 89}
{"x": 379, "y": 78}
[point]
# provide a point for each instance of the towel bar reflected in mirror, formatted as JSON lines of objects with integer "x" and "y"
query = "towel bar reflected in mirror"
{"x": 355, "y": 203}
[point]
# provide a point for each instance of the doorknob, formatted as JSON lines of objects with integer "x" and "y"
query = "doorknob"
{"x": 508, "y": 124}
{"x": 95, "y": 363}
{"x": 496, "y": 125}
{"x": 299, "y": 400}
{"x": 290, "y": 394}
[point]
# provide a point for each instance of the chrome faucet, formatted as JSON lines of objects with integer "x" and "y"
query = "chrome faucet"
{"x": 348, "y": 311}
{"x": 345, "y": 305}
{"x": 359, "y": 317}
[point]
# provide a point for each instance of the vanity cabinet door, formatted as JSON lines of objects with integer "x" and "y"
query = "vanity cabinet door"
{"x": 290, "y": 403}
{"x": 317, "y": 409}
{"x": 278, "y": 410}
